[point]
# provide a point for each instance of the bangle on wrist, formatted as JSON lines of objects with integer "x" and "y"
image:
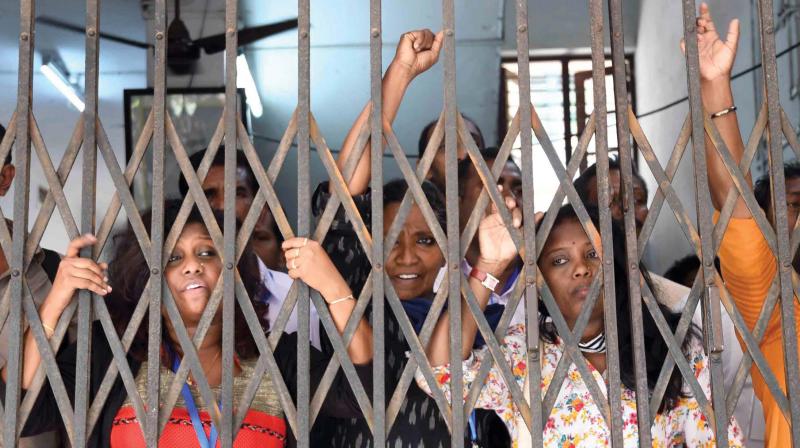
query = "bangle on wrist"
{"x": 342, "y": 299}
{"x": 723, "y": 112}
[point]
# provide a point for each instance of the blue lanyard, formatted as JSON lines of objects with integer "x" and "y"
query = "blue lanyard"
{"x": 209, "y": 442}
{"x": 473, "y": 431}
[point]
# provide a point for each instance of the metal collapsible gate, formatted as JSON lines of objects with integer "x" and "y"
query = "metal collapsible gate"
{"x": 89, "y": 136}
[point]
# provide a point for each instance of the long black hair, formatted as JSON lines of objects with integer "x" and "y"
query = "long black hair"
{"x": 128, "y": 272}
{"x": 656, "y": 349}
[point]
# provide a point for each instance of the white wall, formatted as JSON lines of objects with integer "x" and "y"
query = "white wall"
{"x": 661, "y": 78}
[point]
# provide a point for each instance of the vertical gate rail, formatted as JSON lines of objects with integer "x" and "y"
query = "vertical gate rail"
{"x": 603, "y": 197}
{"x": 783, "y": 254}
{"x": 626, "y": 187}
{"x": 712, "y": 320}
{"x": 303, "y": 216}
{"x": 453, "y": 257}
{"x": 17, "y": 244}
{"x": 231, "y": 117}
{"x": 88, "y": 205}
{"x": 22, "y": 155}
{"x": 157, "y": 282}
{"x": 380, "y": 428}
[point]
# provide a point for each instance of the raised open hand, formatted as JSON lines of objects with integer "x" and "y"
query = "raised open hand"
{"x": 716, "y": 56}
{"x": 418, "y": 51}
{"x": 497, "y": 249}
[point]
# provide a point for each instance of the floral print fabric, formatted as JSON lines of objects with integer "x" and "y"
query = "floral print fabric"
{"x": 575, "y": 420}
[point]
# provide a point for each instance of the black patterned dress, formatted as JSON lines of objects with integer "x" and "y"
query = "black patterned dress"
{"x": 419, "y": 422}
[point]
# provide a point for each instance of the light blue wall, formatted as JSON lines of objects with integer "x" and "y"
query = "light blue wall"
{"x": 563, "y": 25}
{"x": 340, "y": 73}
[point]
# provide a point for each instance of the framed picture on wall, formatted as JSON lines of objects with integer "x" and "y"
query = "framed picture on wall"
{"x": 195, "y": 113}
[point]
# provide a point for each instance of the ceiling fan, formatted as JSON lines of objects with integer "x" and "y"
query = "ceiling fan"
{"x": 183, "y": 51}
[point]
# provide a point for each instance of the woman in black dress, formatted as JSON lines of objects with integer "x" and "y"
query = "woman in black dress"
{"x": 413, "y": 263}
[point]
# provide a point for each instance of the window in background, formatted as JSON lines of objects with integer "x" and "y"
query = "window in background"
{"x": 562, "y": 93}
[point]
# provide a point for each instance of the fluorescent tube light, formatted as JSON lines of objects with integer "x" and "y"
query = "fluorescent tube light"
{"x": 59, "y": 80}
{"x": 244, "y": 78}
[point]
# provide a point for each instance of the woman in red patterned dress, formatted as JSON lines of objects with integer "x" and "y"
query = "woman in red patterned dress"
{"x": 191, "y": 273}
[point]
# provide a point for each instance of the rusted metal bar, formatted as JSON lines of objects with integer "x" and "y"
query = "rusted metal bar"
{"x": 88, "y": 206}
{"x": 190, "y": 360}
{"x": 231, "y": 117}
{"x": 156, "y": 254}
{"x": 340, "y": 345}
{"x": 519, "y": 288}
{"x": 21, "y": 192}
{"x": 493, "y": 347}
{"x": 53, "y": 181}
{"x": 482, "y": 202}
{"x": 112, "y": 212}
{"x": 565, "y": 183}
{"x": 712, "y": 320}
{"x": 340, "y": 189}
{"x": 49, "y": 371}
{"x": 122, "y": 186}
{"x": 418, "y": 354}
{"x": 398, "y": 397}
{"x": 528, "y": 220}
{"x": 600, "y": 114}
{"x": 415, "y": 188}
{"x": 303, "y": 216}
{"x": 266, "y": 194}
{"x": 753, "y": 353}
{"x": 452, "y": 257}
{"x": 127, "y": 339}
{"x": 676, "y": 352}
{"x": 489, "y": 181}
{"x": 658, "y": 197}
{"x": 631, "y": 255}
{"x": 119, "y": 350}
{"x": 779, "y": 208}
{"x": 189, "y": 348}
{"x": 266, "y": 363}
{"x": 380, "y": 429}
{"x": 571, "y": 350}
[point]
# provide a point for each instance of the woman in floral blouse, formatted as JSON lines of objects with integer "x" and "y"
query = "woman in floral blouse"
{"x": 568, "y": 262}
